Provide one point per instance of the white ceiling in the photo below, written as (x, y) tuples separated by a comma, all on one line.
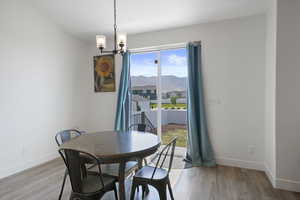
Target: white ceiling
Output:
[(85, 18)]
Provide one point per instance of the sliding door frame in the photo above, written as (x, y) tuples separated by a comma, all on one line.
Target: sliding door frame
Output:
[(157, 50)]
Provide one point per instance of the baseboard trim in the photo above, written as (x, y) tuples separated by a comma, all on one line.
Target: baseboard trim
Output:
[(270, 175), (281, 183), (278, 183), (289, 185), (6, 172), (240, 163)]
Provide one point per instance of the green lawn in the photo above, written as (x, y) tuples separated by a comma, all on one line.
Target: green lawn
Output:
[(170, 106), (181, 137)]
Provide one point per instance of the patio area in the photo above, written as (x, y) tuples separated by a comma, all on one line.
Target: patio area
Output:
[(178, 162), (170, 131)]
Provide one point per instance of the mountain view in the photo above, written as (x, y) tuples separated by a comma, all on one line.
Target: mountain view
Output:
[(169, 83)]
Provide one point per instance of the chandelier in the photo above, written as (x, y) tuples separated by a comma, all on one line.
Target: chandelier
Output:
[(119, 39)]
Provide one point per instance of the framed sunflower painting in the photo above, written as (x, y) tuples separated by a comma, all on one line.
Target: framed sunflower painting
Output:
[(104, 73)]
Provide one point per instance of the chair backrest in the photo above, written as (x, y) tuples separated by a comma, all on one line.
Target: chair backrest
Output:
[(165, 152), (66, 135), (138, 127), (77, 173), (141, 119), (142, 128)]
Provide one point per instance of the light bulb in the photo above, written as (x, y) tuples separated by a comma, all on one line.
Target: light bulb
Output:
[(122, 39), (100, 41)]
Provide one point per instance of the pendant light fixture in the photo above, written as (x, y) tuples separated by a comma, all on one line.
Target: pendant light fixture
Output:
[(119, 39)]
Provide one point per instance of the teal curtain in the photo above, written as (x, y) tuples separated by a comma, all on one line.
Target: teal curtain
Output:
[(199, 151), (122, 120)]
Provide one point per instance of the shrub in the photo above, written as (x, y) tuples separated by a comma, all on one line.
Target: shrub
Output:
[(173, 100)]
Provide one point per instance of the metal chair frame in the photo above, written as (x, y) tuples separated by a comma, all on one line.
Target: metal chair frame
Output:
[(59, 141), (159, 184), (171, 145), (68, 131), (68, 156)]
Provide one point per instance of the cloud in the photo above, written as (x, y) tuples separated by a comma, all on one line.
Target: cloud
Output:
[(148, 61), (176, 60), (144, 61)]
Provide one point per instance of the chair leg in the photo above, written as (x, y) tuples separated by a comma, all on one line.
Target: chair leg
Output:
[(170, 190), (133, 187), (143, 192), (145, 188), (115, 192), (63, 185), (135, 171), (162, 191)]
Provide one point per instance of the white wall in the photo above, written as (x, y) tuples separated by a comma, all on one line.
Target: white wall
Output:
[(288, 96), (270, 157), (40, 86), (102, 105), (282, 94), (234, 75)]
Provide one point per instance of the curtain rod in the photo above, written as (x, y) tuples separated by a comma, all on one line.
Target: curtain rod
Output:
[(161, 47)]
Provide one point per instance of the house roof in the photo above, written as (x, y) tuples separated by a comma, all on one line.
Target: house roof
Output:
[(138, 98), (144, 87)]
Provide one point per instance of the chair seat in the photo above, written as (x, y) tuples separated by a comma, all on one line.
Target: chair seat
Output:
[(92, 182), (147, 171), (113, 169)]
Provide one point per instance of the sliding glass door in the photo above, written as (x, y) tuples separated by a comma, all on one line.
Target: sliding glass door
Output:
[(158, 87), (173, 95), (144, 90)]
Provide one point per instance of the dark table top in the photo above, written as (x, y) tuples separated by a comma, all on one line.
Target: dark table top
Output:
[(115, 145)]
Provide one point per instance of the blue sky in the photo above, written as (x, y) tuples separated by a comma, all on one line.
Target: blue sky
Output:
[(173, 62)]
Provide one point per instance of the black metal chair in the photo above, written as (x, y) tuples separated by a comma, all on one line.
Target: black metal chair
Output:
[(60, 138), (142, 128), (142, 123), (109, 169), (86, 185), (138, 127), (66, 135), (156, 176)]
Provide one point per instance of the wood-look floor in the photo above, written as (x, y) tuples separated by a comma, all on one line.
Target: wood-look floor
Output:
[(219, 183)]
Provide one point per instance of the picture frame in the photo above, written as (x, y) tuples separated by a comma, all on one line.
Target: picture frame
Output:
[(104, 73)]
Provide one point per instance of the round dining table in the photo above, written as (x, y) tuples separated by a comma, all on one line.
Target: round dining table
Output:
[(116, 147)]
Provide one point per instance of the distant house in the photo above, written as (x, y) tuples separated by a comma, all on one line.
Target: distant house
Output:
[(179, 94), (147, 91)]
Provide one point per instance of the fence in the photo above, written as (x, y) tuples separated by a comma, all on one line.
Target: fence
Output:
[(167, 117)]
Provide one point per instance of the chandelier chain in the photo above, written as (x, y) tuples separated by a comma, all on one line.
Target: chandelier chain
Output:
[(115, 14), (119, 46), (115, 26)]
